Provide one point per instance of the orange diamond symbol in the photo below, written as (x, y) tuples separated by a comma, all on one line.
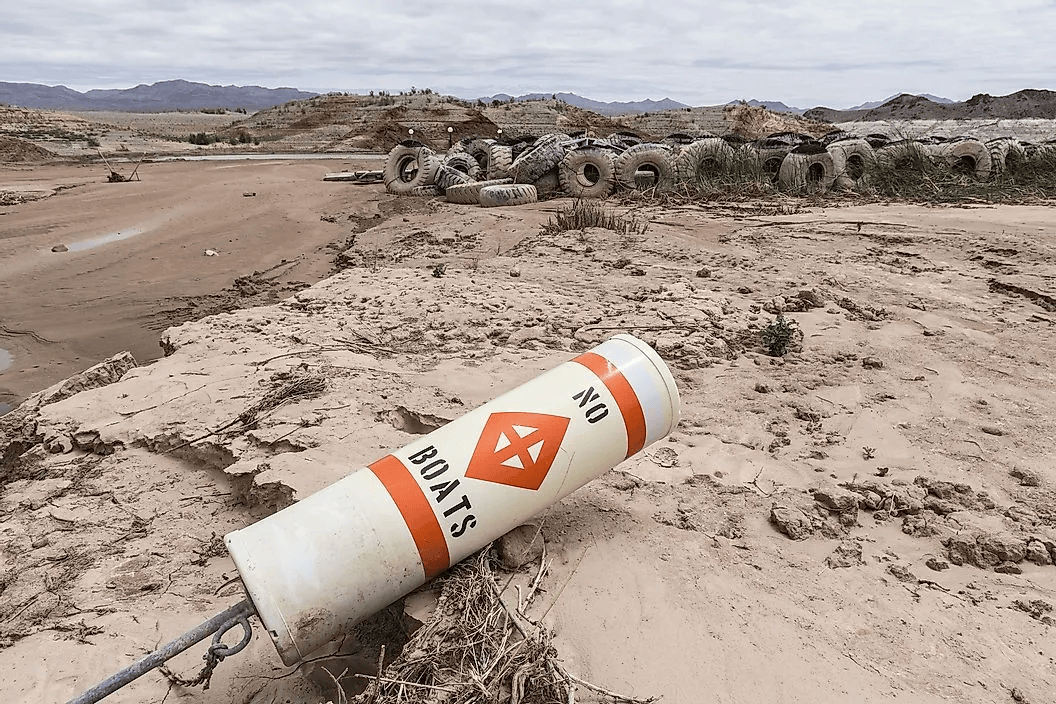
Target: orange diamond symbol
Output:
[(517, 449)]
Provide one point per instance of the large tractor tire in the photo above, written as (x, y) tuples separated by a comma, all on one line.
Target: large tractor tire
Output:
[(549, 184), (425, 192), (409, 167), (469, 193), (852, 161), (967, 156), (464, 162), (544, 155), (654, 159), (500, 158), (447, 177), (588, 173), (1007, 156), (801, 172), (904, 155), (703, 160), (511, 194)]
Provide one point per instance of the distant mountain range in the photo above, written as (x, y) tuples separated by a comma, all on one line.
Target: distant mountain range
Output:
[(615, 108), (878, 103), (157, 97), (1018, 105)]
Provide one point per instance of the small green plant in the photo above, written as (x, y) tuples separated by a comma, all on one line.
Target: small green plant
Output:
[(779, 335)]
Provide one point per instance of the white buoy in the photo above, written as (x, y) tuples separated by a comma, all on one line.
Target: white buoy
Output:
[(321, 565)]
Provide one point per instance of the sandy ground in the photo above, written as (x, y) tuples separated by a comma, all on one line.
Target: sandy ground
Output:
[(136, 261), (906, 441)]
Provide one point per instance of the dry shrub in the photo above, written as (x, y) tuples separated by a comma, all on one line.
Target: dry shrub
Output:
[(583, 214), (477, 648), (914, 176)]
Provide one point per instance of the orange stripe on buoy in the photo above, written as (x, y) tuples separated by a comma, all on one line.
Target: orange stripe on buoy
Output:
[(417, 513), (626, 399)]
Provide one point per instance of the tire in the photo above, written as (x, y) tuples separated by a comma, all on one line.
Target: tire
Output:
[(1007, 156), (903, 155), (652, 158), (806, 172), (480, 149), (424, 192), (544, 155), (852, 160), (588, 173), (511, 194), (549, 184), (500, 158), (469, 193), (967, 156), (447, 176), (464, 162), (771, 155), (703, 160), (409, 167)]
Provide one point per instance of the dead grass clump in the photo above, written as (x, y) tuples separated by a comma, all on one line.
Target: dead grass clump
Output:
[(910, 173), (477, 648), (583, 214)]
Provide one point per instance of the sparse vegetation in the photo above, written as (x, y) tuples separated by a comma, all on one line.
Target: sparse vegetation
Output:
[(914, 176), (779, 336), (204, 138), (591, 213)]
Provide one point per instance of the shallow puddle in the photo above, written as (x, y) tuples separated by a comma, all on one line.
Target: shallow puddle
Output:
[(6, 358), (5, 408), (105, 239)]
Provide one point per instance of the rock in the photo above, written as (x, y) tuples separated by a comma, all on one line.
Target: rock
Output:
[(1037, 553), (986, 550), (939, 506), (762, 388), (1002, 547), (836, 499), (812, 298), (522, 545), (872, 363), (1026, 477), (703, 273), (519, 337), (211, 253), (515, 272), (61, 444), (847, 554), (906, 500), (1008, 568), (1022, 514), (871, 500), (791, 521), (934, 563), (60, 248), (85, 439), (901, 573), (962, 551), (992, 430)]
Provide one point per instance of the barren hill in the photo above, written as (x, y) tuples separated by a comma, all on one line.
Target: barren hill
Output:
[(1020, 105), (343, 122)]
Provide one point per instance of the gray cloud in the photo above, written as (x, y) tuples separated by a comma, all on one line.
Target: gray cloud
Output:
[(803, 53)]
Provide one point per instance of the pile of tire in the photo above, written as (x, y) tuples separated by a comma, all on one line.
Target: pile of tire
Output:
[(512, 171)]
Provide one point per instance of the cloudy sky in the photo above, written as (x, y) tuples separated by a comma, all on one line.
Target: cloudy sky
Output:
[(836, 53)]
